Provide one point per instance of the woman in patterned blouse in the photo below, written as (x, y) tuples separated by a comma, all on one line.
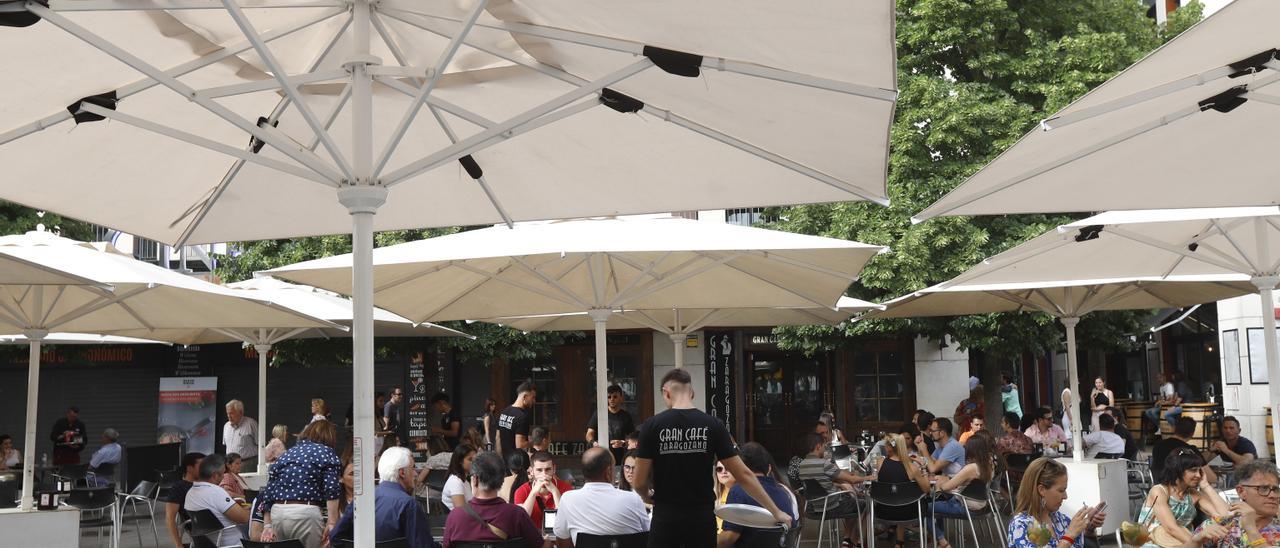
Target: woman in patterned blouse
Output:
[(1044, 488), (303, 480)]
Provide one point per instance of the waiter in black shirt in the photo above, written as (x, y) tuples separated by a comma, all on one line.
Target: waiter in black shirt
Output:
[(678, 447), (620, 424), (450, 420), (68, 437), (513, 422)]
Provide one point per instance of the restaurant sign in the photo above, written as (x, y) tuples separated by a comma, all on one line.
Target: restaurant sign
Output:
[(720, 381)]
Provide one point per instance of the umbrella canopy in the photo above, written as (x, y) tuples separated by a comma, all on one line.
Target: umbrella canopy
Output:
[(678, 323), (1029, 277), (77, 338), (122, 294), (550, 110), (596, 266), (1201, 108), (572, 266)]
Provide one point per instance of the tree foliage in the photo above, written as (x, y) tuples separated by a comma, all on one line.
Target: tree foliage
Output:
[(491, 342), (20, 219), (974, 76)]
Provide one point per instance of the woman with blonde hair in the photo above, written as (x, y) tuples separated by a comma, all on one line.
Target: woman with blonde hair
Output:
[(319, 410), (896, 467), (1037, 520), (276, 447), (724, 482)]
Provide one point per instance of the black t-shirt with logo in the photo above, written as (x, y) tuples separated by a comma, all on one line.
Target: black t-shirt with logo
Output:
[(684, 445), (620, 424), (511, 421)]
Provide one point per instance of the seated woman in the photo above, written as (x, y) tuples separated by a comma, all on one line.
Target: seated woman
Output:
[(517, 475), (1037, 521), (232, 483), (1171, 505), (898, 468), (979, 466), (457, 489)]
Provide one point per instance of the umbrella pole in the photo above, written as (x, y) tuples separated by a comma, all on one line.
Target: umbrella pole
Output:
[(1266, 285), (262, 350), (677, 346), (1073, 381), (362, 198), (34, 337), (601, 317)]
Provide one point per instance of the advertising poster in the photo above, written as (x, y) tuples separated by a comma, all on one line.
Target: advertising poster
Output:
[(188, 412), (418, 415)]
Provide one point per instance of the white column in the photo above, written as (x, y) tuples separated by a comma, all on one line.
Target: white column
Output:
[(34, 338), (601, 317), (677, 345), (362, 199), (1266, 285), (1073, 382), (264, 427)]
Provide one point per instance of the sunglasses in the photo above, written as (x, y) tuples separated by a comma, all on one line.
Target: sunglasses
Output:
[(719, 469)]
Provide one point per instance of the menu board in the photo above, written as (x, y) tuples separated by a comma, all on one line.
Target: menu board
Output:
[(418, 414)]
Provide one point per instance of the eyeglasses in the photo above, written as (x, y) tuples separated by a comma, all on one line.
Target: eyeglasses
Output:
[(719, 469), (628, 467), (1263, 490)]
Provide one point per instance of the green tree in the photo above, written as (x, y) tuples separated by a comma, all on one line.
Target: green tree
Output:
[(19, 219), (491, 342), (975, 75)]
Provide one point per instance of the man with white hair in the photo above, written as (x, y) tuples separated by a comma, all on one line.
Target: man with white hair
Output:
[(396, 513), (240, 435), (109, 453)]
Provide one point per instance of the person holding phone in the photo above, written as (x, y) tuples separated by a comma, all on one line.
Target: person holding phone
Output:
[(1038, 520)]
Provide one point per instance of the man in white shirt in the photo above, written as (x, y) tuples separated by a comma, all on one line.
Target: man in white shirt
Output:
[(1168, 396), (240, 435), (598, 508), (1104, 443), (205, 494)]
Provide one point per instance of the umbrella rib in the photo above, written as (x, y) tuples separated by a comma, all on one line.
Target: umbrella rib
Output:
[(301, 79), (307, 159), (139, 5), (645, 271), (669, 278), (706, 319), (139, 86), (1143, 96), (93, 306), (412, 276), (591, 276), (290, 89), (520, 262), (442, 104), (18, 316), (495, 277), (1236, 245), (642, 316), (1013, 257), (62, 289), (234, 170), (484, 185), (1021, 302), (1142, 239), (778, 255), (136, 316), (423, 91), (506, 128), (174, 133), (634, 48), (1059, 162), (1040, 291), (779, 286)]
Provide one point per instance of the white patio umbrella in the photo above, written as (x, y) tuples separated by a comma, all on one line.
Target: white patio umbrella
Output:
[(1186, 126), (1243, 242), (756, 104), (598, 266), (77, 338), (313, 302), (678, 323), (142, 297)]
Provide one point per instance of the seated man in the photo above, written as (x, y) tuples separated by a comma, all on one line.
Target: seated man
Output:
[(487, 518), (1233, 448), (1168, 396), (544, 485), (1013, 442), (1104, 444), (1183, 429), (975, 424), (396, 513), (1254, 521), (109, 453), (757, 460), (205, 494), (599, 508), (539, 440), (815, 467), (177, 496), (948, 455), (1043, 431)]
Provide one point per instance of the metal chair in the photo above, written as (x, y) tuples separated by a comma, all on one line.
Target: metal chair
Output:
[(165, 480), (74, 473), (436, 479), (634, 540), (979, 492), (96, 500), (897, 495), (818, 503), (141, 493), (106, 470), (204, 524)]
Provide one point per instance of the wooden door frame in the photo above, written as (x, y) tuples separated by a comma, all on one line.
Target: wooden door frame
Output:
[(906, 348)]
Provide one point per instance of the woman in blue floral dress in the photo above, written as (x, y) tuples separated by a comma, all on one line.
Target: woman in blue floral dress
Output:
[(1043, 490)]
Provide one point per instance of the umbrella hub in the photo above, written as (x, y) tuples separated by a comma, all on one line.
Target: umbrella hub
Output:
[(1265, 282), (362, 198), (35, 335), (599, 314)]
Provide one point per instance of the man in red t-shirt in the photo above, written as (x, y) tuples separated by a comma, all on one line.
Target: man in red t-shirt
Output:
[(546, 486)]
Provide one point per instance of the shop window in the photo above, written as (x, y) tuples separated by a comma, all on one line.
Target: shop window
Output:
[(879, 386), (543, 372)]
